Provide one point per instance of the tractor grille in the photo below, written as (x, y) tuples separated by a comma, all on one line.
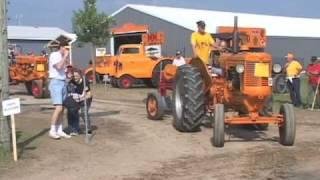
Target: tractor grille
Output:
[(250, 79)]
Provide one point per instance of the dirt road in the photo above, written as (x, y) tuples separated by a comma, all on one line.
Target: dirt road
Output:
[(127, 145)]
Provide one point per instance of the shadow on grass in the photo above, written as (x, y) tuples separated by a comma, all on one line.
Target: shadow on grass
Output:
[(22, 146)]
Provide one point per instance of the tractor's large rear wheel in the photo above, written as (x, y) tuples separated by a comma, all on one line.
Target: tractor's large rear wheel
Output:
[(287, 129), (89, 77), (188, 99), (40, 89), (280, 84), (114, 82), (218, 129), (155, 80), (28, 85)]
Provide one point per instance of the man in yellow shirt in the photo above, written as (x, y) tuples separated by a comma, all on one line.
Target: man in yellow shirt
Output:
[(293, 69), (202, 43)]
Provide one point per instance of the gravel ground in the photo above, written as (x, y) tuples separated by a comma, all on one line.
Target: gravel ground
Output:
[(126, 145)]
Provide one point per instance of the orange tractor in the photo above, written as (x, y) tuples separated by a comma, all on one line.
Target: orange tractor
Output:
[(244, 88), (133, 63), (33, 71)]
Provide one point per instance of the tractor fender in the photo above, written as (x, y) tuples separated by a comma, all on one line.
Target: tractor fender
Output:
[(160, 61), (169, 72), (198, 63), (157, 69), (89, 69), (86, 71)]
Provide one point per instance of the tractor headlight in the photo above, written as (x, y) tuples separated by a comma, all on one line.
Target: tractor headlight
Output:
[(240, 68), (276, 68)]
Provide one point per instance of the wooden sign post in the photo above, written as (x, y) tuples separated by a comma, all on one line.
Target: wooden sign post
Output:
[(10, 108)]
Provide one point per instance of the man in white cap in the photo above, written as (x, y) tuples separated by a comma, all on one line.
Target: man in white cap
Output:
[(178, 60)]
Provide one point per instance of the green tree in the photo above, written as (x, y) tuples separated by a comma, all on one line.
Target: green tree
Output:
[(92, 27)]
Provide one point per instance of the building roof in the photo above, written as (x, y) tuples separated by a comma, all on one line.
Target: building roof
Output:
[(274, 25), (34, 33)]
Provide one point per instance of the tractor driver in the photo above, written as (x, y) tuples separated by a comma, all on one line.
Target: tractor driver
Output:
[(202, 44)]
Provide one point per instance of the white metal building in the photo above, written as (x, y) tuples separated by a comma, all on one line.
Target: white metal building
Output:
[(33, 39), (285, 34)]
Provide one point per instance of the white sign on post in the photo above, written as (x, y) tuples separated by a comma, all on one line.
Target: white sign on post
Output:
[(10, 108), (101, 52)]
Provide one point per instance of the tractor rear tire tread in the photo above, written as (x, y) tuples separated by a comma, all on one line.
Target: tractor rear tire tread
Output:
[(190, 82)]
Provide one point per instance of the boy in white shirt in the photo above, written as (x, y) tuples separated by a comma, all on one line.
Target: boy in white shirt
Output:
[(57, 87)]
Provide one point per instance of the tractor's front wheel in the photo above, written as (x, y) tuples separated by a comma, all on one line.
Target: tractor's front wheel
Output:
[(156, 106), (287, 130), (188, 99), (218, 126)]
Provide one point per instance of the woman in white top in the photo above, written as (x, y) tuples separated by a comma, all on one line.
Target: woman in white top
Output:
[(178, 60)]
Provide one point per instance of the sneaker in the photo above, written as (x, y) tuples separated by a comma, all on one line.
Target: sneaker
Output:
[(54, 135), (64, 135), (74, 134)]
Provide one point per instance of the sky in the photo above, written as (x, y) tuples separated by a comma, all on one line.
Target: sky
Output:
[(58, 13)]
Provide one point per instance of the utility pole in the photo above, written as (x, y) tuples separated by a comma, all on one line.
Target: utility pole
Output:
[(4, 77)]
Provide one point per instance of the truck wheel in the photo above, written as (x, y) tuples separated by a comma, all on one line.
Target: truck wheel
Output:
[(287, 129), (114, 82), (37, 89), (188, 99), (155, 79), (156, 106), (218, 126), (125, 82), (280, 84), (28, 85)]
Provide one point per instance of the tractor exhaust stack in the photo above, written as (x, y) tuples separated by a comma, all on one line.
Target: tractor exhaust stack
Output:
[(235, 38)]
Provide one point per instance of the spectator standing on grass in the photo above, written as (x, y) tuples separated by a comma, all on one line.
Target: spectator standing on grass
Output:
[(293, 69), (79, 92), (179, 60), (57, 63), (313, 71)]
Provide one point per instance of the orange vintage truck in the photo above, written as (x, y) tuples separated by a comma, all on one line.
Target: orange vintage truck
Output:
[(133, 63)]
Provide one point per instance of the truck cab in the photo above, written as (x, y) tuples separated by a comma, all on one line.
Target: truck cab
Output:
[(132, 59)]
